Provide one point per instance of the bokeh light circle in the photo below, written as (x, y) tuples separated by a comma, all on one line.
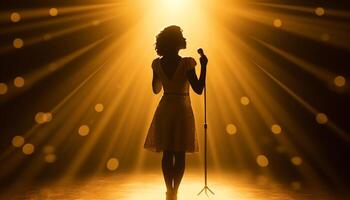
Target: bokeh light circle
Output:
[(321, 118), (276, 129), (18, 81), (53, 12), (42, 117), (319, 11), (99, 107), (112, 164), (231, 129), (277, 23), (245, 100), (18, 43), (50, 158), (3, 88), (17, 141), (262, 161), (84, 130), (296, 160), (15, 17), (339, 81), (28, 149)]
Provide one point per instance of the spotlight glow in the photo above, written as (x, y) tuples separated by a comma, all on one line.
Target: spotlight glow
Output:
[(173, 4)]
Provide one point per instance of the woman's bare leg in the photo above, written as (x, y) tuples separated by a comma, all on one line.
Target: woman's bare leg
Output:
[(168, 168), (179, 168)]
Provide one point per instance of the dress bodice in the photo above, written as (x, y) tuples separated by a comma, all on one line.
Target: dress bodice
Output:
[(178, 82)]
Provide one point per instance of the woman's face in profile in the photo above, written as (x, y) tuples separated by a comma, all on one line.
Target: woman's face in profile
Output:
[(184, 43)]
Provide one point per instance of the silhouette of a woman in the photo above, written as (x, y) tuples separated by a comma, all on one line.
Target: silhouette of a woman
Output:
[(172, 130)]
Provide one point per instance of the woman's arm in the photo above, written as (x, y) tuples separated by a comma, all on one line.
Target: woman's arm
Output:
[(156, 83), (198, 84)]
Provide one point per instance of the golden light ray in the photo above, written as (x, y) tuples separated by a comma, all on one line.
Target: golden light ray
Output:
[(165, 15), (32, 135), (58, 139), (308, 27), (306, 9), (55, 34), (343, 134), (292, 125), (29, 14), (324, 165), (49, 22), (231, 60), (319, 72), (120, 128), (265, 113), (270, 111), (34, 76), (99, 129)]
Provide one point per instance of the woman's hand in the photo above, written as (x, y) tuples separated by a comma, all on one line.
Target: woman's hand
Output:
[(203, 60)]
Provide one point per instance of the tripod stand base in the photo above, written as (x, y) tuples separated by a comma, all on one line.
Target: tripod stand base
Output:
[(205, 190)]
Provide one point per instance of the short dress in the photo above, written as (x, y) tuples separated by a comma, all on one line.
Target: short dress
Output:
[(173, 124)]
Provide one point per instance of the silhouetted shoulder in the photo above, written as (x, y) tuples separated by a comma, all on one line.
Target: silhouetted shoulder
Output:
[(190, 63), (154, 62)]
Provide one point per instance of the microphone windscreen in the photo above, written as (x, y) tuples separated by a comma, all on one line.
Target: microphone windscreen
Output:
[(200, 51)]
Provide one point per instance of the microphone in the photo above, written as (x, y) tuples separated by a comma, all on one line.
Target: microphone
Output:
[(201, 52)]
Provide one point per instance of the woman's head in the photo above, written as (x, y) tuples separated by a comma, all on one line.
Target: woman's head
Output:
[(170, 40)]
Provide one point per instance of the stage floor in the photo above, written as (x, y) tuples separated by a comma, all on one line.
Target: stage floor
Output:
[(151, 187)]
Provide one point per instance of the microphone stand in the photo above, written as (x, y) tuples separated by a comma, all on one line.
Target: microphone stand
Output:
[(205, 188)]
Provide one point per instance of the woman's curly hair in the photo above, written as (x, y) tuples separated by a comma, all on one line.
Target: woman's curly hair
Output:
[(170, 39)]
